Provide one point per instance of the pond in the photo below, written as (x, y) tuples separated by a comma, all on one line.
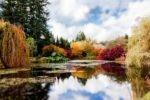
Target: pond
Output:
[(75, 80)]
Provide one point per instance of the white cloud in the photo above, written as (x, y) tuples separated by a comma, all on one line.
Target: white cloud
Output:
[(71, 10), (75, 11)]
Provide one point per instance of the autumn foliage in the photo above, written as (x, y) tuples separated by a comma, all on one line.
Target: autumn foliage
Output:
[(112, 53), (138, 45), (13, 46), (48, 49), (81, 48)]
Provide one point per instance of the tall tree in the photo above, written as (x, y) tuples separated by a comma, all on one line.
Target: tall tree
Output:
[(31, 14), (15, 11), (38, 18), (63, 43), (81, 36)]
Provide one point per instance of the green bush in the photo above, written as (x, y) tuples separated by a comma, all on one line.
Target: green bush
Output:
[(58, 57)]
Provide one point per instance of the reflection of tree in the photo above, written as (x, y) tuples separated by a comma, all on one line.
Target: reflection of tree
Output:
[(82, 80), (137, 77), (26, 91), (15, 73), (64, 76), (114, 70), (84, 72)]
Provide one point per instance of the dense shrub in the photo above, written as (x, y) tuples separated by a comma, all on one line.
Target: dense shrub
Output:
[(13, 46), (111, 54), (47, 50), (98, 53), (57, 57), (69, 54)]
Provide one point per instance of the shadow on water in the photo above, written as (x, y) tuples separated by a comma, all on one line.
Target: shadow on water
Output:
[(98, 82)]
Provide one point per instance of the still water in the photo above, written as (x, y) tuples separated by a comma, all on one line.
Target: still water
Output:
[(75, 80)]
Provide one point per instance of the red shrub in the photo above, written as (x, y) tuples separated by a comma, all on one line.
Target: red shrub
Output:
[(112, 54), (68, 53)]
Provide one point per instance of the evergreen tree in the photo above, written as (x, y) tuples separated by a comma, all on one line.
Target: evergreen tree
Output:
[(15, 11), (81, 36), (63, 43), (38, 18), (126, 36), (30, 14), (57, 41)]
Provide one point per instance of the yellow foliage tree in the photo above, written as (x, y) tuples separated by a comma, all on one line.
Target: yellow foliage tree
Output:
[(76, 50), (81, 46), (138, 45), (13, 46)]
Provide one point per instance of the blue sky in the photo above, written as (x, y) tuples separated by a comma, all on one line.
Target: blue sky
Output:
[(100, 19)]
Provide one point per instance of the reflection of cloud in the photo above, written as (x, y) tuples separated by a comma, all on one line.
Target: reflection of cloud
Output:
[(101, 87), (83, 95)]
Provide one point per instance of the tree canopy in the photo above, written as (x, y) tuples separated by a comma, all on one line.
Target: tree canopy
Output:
[(81, 36), (30, 14)]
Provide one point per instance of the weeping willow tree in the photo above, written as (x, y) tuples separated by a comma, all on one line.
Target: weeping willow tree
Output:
[(139, 45), (13, 48)]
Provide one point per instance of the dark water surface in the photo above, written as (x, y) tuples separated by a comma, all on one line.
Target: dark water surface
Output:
[(75, 80)]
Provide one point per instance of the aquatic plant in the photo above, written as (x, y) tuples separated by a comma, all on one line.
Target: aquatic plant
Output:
[(13, 52), (138, 45)]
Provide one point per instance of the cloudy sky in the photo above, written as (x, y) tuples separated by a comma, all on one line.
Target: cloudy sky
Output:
[(100, 19)]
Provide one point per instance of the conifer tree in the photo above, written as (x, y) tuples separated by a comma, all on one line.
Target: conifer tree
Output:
[(30, 14), (81, 36)]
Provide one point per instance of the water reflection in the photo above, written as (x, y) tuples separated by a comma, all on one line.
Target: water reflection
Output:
[(140, 81), (25, 91), (105, 81), (101, 87)]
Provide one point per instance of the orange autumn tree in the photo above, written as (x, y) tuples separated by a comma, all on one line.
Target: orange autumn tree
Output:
[(13, 52), (76, 50), (80, 47)]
